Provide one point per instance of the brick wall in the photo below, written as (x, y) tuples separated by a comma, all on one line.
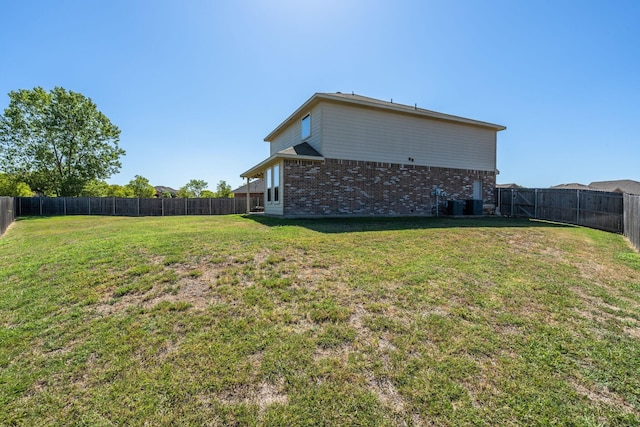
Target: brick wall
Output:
[(348, 187)]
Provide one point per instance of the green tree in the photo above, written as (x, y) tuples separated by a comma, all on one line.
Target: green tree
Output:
[(184, 193), (223, 190), (194, 188), (141, 187), (120, 191), (57, 141), (11, 186), (207, 194), (95, 188)]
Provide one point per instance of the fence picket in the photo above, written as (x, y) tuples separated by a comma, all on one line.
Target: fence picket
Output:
[(52, 206), (594, 209)]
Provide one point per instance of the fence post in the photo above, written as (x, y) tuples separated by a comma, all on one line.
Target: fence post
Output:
[(513, 198), (535, 204), (162, 205), (40, 206), (185, 205), (578, 207), (64, 206), (210, 209), (114, 206)]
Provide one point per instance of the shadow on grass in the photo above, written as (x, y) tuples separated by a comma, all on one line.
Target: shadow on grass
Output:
[(358, 224)]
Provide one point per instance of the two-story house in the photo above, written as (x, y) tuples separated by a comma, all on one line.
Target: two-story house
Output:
[(341, 154)]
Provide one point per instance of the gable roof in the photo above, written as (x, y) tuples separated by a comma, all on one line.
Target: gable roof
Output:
[(256, 186), (571, 186), (302, 151), (618, 186), (366, 102)]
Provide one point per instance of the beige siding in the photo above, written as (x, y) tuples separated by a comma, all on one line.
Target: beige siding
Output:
[(292, 135), (371, 135)]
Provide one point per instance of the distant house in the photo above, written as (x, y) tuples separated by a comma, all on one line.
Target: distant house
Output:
[(256, 189), (618, 186), (571, 186), (511, 185), (341, 155), (161, 189)]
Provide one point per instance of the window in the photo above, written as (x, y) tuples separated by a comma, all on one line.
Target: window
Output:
[(276, 183), (306, 127), (272, 180), (268, 177)]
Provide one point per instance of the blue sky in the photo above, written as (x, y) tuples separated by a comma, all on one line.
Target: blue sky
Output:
[(196, 85)]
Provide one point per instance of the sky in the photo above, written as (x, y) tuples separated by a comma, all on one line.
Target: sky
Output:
[(196, 85)]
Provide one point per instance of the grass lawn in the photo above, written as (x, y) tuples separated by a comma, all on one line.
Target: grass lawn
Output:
[(254, 321)]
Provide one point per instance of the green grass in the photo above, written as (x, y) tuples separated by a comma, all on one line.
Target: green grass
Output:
[(256, 321)]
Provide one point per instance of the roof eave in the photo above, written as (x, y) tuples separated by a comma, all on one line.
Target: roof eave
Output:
[(306, 106), (398, 108)]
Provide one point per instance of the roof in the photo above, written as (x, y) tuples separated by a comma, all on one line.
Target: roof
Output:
[(256, 186), (366, 102), (163, 189), (572, 186), (618, 186), (511, 185), (302, 151)]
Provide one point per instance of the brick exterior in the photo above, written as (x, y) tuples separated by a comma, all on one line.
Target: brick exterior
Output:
[(347, 187)]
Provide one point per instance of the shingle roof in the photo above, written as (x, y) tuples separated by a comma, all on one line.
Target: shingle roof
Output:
[(303, 149), (256, 186), (572, 186), (618, 186)]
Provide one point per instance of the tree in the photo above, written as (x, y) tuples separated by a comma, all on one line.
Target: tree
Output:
[(184, 193), (193, 188), (57, 141), (223, 190), (207, 194), (116, 190), (95, 188), (141, 188), (11, 186)]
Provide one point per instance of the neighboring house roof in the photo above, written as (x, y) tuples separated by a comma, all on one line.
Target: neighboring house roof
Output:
[(256, 186), (364, 101), (572, 186), (302, 151), (162, 189), (512, 185), (618, 186)]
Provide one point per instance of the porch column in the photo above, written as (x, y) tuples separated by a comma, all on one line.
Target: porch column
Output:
[(248, 197)]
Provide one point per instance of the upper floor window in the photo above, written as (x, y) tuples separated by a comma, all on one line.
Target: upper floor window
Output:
[(306, 127)]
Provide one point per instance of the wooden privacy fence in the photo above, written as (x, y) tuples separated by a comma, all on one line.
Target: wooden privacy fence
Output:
[(632, 219), (7, 213), (594, 209), (115, 206)]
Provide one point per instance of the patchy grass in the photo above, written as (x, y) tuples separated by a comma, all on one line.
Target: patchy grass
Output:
[(256, 321)]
